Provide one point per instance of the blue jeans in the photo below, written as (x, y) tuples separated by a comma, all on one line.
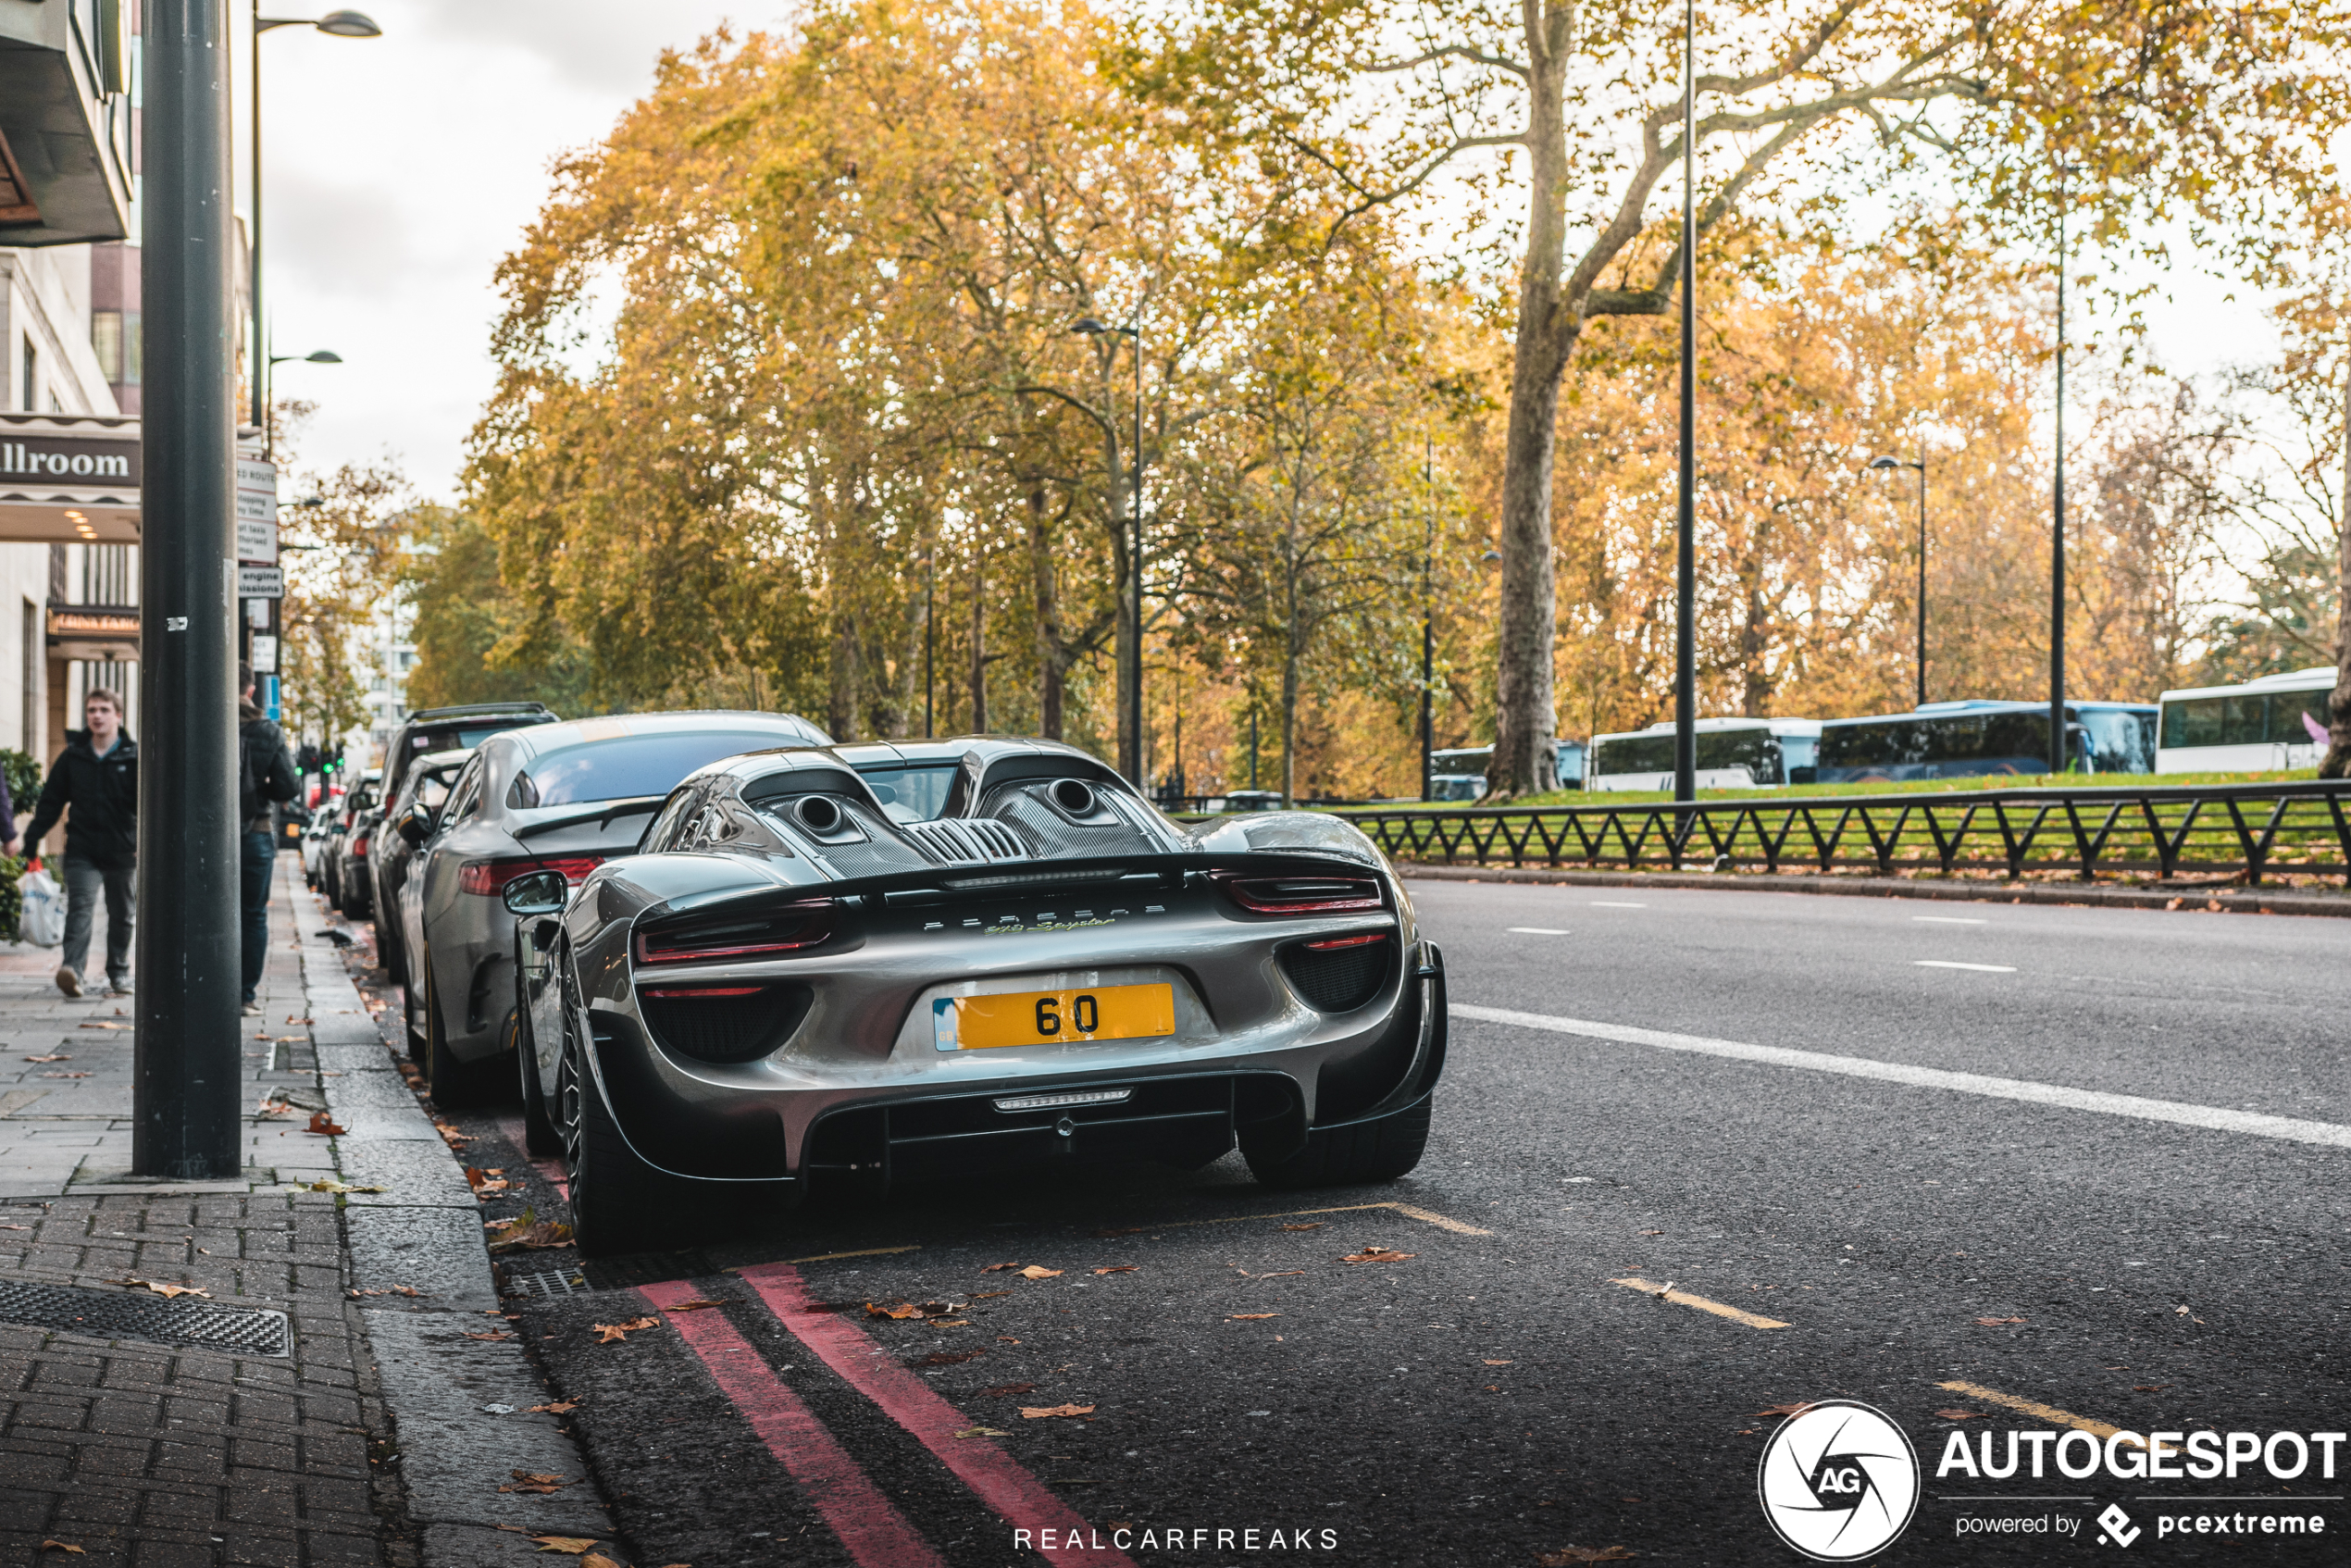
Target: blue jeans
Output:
[(85, 882), (260, 861)]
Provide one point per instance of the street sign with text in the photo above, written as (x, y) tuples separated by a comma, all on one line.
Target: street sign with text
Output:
[(261, 582), (256, 511)]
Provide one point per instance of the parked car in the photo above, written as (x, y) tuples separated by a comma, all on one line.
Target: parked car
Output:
[(426, 785), (555, 796), (357, 800), (461, 728), (861, 963)]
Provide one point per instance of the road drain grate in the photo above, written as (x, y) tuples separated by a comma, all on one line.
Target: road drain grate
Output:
[(548, 1282), (112, 1315)]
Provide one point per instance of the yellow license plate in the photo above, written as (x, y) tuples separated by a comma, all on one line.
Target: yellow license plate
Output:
[(982, 1023)]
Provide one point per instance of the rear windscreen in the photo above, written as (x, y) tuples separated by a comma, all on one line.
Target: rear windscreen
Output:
[(630, 766)]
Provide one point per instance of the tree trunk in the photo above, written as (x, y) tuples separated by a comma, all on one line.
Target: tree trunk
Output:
[(980, 644), (1052, 655), (2337, 763), (840, 708), (1289, 721), (1525, 759)]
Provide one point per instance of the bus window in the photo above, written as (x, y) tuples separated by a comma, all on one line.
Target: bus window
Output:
[(2118, 742)]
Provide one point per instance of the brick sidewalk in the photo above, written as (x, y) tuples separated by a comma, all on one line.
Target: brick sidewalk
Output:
[(154, 1454)]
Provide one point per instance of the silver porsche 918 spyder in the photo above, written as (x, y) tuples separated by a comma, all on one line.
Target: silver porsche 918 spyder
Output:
[(834, 966)]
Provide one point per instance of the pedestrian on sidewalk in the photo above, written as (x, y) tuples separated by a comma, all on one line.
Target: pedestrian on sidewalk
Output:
[(9, 842), (98, 775), (265, 776)]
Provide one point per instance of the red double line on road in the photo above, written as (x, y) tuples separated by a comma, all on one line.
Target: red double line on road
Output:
[(876, 1534), (993, 1475)]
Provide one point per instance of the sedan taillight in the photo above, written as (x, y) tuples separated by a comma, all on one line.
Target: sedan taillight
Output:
[(1302, 895), (786, 930), (488, 878)]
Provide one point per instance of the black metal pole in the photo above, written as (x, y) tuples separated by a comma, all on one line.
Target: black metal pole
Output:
[(184, 1092), (1135, 673), (1428, 615), (1922, 574), (260, 339), (2057, 531), (1685, 527), (930, 637)]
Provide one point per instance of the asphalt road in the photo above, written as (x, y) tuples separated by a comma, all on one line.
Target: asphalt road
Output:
[(1495, 1397)]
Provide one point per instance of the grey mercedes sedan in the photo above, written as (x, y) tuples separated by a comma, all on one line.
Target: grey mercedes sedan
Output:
[(554, 798)]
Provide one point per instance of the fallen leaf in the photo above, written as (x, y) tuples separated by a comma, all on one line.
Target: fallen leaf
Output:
[(65, 1075), (597, 1559), (293, 1020), (2148, 1387), (1499, 1364), (15, 1227), (1006, 1339), (324, 1125), (1034, 1272), (60, 1546), (988, 1295), (167, 1290), (1032, 1413), (991, 1268), (982, 1432), (1567, 1555), (693, 1306), (1377, 1255), (1652, 1233), (1798, 1408), (331, 1185), (52, 1056), (902, 1311), (527, 1230), (489, 1334), (607, 1332), (1284, 1274), (570, 1545), (102, 1024), (1316, 1225), (949, 1358), (1246, 1317), (1119, 1268), (524, 1481), (2182, 1310), (1006, 1390), (1956, 1414), (1998, 1322)]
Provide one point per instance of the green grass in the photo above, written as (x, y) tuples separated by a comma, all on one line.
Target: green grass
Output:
[(1911, 787)]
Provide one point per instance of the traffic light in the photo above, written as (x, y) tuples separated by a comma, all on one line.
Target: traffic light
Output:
[(307, 760)]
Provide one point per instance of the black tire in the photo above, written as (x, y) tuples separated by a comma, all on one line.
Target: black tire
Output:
[(539, 1134), (619, 1204), (1354, 1155), (456, 1084)]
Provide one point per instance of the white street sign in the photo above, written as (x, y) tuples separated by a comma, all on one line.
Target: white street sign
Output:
[(260, 582), (256, 511), (265, 655)]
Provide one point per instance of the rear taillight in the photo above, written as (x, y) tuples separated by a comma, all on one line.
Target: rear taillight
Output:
[(1335, 944), (785, 930), (359, 848), (1302, 895), (488, 878)]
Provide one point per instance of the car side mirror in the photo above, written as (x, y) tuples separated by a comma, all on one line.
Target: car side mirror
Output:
[(541, 892), (415, 826)]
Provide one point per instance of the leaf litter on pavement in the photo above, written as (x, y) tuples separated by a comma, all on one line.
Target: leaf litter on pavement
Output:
[(539, 1484), (1568, 1555), (1377, 1254), (165, 1290), (1033, 1412), (612, 1332)]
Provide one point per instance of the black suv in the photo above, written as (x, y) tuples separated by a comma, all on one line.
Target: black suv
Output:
[(449, 730)]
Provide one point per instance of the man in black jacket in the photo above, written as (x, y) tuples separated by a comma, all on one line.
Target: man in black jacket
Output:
[(264, 775), (98, 775)]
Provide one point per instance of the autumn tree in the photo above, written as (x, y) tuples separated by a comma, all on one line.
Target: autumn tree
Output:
[(2218, 112)]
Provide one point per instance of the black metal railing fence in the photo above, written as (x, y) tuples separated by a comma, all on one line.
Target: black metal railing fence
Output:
[(2301, 827)]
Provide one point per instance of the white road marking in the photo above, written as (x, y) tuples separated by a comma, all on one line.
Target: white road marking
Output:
[(2288, 1129), (1538, 930), (1947, 920), (1604, 904), (1979, 968)]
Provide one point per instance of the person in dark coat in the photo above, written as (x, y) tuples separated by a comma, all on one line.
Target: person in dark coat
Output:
[(98, 775), (265, 776)]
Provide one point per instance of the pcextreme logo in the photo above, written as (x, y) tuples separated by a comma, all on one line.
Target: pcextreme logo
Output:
[(1839, 1481)]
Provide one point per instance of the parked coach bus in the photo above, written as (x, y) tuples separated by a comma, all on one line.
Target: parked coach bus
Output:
[(2277, 722), (1460, 774), (1967, 739), (1733, 754)]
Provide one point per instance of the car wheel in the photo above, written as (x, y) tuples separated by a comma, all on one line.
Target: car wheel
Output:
[(1379, 1149), (619, 1204), (454, 1084), (539, 1135)]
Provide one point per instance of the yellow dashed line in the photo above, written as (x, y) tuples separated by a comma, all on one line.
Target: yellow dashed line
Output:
[(1684, 1299), (2028, 1407), (1407, 1211)]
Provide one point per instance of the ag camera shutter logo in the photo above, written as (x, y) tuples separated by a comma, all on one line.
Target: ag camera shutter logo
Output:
[(1839, 1481)]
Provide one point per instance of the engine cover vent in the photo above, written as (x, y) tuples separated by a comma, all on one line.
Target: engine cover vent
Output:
[(966, 841)]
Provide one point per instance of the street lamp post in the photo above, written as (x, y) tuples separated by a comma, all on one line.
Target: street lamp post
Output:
[(1428, 616), (2058, 729), (1686, 522), (334, 24), (1888, 463), (1130, 739), (930, 637)]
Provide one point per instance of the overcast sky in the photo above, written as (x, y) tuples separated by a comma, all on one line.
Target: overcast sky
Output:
[(401, 168)]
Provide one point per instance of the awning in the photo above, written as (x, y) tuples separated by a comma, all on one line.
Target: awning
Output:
[(64, 123), (68, 479), (96, 632)]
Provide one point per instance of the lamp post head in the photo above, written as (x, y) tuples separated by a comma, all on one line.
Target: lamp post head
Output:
[(348, 24), (1880, 464), (323, 357), (1090, 327)]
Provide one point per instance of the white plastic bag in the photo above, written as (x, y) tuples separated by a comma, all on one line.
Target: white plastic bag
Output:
[(43, 920)]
